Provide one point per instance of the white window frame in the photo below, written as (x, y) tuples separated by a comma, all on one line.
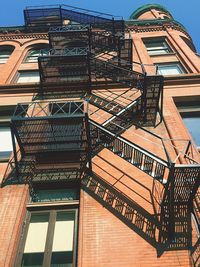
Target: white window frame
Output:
[(157, 47), (5, 138), (167, 69), (28, 77)]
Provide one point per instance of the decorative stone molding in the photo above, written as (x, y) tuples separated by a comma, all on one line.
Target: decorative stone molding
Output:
[(149, 28), (9, 36)]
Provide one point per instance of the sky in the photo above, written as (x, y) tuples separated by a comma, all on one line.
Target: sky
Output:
[(186, 12)]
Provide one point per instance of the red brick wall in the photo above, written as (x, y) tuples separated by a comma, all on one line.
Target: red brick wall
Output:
[(13, 199)]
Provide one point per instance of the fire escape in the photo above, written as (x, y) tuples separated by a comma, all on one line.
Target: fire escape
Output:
[(55, 140)]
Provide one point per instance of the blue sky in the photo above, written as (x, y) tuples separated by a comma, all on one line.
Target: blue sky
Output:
[(186, 12)]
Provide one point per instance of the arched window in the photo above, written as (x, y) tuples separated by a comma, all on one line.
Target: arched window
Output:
[(34, 53), (5, 52)]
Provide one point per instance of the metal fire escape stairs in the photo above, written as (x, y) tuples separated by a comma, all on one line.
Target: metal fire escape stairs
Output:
[(90, 49)]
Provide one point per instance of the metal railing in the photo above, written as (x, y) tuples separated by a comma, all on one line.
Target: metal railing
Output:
[(134, 154), (49, 109)]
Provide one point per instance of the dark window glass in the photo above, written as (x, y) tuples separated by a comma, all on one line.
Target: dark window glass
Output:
[(5, 52), (192, 122)]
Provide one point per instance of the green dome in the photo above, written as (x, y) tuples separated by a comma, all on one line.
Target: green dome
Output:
[(148, 7)]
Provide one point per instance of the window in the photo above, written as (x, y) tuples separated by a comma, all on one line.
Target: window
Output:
[(50, 239), (190, 113), (5, 52), (50, 195), (50, 232), (170, 69), (33, 55), (157, 47), (5, 134), (192, 122), (28, 77)]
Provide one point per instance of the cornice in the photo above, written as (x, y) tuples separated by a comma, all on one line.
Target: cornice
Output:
[(9, 36), (152, 28)]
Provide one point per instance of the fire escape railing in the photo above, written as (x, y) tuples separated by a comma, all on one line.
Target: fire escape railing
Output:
[(54, 133)]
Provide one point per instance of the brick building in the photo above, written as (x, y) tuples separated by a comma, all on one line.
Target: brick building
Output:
[(99, 136)]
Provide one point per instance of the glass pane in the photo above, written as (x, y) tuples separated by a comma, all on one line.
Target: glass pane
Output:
[(4, 56), (32, 59), (5, 140), (3, 60), (62, 249), (32, 260), (193, 125), (157, 45), (56, 195), (158, 52), (28, 77), (64, 232), (169, 70), (62, 259), (37, 232)]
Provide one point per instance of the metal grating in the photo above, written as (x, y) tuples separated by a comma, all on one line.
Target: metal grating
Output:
[(50, 127), (69, 36), (50, 16), (176, 206)]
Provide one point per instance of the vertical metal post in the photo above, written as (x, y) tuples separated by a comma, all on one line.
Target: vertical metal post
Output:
[(144, 99), (161, 103), (61, 19), (187, 148), (14, 151), (89, 142), (171, 229), (113, 26)]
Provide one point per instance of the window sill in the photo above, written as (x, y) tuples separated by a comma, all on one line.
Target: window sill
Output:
[(164, 55), (50, 204)]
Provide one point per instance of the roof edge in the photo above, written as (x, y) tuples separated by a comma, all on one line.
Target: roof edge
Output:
[(147, 7)]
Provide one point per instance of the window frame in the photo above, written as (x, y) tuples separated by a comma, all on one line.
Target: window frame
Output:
[(190, 114), (177, 64), (28, 56), (187, 109), (53, 210), (17, 76), (5, 123), (6, 48), (154, 51)]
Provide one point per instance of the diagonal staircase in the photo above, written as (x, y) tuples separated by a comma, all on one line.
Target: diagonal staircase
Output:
[(132, 153)]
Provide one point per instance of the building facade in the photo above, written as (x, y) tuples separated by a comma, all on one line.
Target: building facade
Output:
[(99, 140)]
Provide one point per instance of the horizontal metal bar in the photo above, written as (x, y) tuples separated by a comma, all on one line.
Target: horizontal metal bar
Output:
[(187, 166), (53, 117)]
